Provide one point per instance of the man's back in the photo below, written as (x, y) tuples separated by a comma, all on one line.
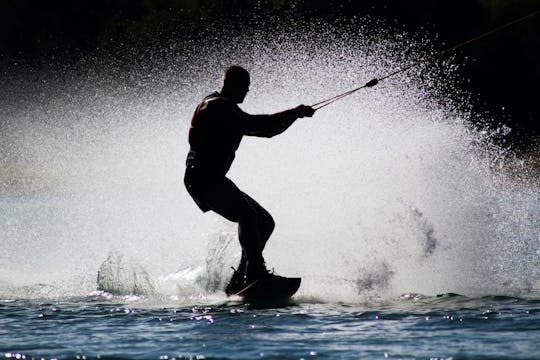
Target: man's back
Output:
[(214, 135)]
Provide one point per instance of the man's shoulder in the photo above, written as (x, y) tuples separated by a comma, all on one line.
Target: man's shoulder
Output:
[(215, 101), (213, 96)]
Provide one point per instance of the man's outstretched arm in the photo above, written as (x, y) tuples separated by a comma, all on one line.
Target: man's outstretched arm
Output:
[(272, 125)]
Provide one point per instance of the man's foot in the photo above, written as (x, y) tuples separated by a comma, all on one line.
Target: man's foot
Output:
[(258, 271), (236, 283)]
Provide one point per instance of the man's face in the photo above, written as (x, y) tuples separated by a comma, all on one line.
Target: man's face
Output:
[(240, 92)]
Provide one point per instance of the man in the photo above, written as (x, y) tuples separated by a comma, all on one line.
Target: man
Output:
[(217, 127)]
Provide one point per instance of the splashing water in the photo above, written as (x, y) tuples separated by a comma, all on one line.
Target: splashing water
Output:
[(383, 193)]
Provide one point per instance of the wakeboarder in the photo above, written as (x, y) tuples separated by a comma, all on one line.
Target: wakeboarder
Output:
[(216, 130)]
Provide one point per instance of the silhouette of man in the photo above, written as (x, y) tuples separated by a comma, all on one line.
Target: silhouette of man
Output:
[(217, 127)]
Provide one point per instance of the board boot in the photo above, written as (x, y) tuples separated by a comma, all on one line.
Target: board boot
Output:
[(238, 280)]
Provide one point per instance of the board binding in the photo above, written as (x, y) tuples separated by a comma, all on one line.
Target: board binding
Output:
[(271, 289)]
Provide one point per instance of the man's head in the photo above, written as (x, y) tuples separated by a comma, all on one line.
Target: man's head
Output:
[(235, 83)]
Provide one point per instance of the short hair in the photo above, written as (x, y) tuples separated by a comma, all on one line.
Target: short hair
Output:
[(235, 75)]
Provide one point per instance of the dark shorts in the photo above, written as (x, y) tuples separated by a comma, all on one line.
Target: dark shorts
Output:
[(221, 196)]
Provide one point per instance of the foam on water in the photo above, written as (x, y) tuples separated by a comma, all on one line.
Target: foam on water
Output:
[(386, 192)]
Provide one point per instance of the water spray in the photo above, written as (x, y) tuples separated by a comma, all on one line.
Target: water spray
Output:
[(375, 81), (377, 208)]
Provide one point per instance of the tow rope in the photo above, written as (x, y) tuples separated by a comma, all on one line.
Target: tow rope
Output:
[(375, 81)]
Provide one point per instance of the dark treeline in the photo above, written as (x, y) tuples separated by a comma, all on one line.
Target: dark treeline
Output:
[(505, 71)]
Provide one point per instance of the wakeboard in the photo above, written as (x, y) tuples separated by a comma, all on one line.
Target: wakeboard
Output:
[(272, 289)]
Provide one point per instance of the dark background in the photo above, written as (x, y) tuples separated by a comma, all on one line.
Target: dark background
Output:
[(503, 75)]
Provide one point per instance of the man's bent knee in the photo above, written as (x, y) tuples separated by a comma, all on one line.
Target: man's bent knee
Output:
[(267, 224)]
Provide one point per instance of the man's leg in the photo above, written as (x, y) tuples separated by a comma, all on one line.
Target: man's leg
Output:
[(264, 226), (255, 225), (265, 222)]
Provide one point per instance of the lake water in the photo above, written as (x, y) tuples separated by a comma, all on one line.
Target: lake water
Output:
[(410, 327)]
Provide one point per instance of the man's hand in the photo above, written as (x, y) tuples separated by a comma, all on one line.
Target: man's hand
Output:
[(304, 110)]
